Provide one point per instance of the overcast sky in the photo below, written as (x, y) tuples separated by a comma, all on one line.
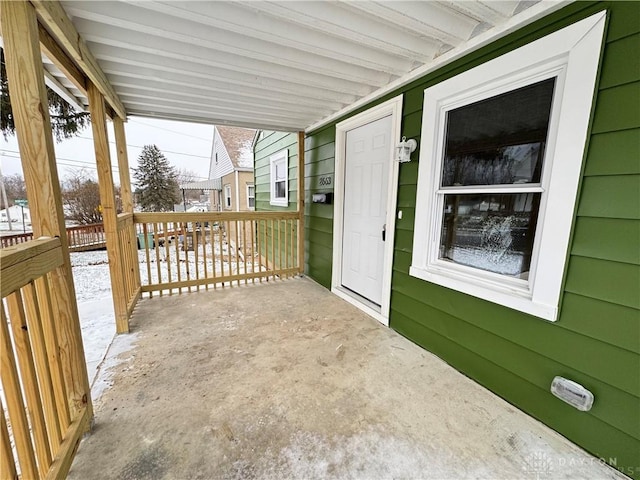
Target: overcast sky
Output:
[(186, 145)]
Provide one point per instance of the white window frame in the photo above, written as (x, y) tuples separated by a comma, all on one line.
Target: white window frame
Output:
[(227, 197), (282, 157), (249, 187), (572, 55)]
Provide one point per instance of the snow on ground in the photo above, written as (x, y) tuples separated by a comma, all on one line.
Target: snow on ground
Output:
[(95, 306), (93, 287)]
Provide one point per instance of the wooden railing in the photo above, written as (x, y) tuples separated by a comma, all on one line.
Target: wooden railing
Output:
[(86, 237), (38, 432), (15, 239), (81, 237), (127, 244), (185, 251)]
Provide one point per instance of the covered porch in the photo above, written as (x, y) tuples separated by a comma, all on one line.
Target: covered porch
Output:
[(269, 378), (285, 380)]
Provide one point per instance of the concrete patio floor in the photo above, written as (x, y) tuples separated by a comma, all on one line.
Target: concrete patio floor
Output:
[(285, 380)]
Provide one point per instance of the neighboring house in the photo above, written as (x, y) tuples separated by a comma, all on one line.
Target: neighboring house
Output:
[(232, 163), (508, 246), (17, 214), (230, 186)]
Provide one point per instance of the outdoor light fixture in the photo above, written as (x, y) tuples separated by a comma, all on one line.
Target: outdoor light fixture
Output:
[(404, 149)]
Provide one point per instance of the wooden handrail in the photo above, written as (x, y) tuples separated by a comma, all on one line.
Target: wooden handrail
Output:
[(156, 217), (23, 263)]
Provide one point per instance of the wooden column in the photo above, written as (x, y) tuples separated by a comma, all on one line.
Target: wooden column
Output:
[(108, 202), (126, 193), (33, 129), (301, 202), (123, 166)]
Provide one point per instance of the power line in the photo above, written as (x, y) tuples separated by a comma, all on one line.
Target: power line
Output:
[(138, 146), (58, 162), (115, 168), (169, 130)]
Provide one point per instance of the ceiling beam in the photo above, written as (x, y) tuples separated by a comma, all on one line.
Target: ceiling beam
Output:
[(53, 83), (53, 17), (59, 57)]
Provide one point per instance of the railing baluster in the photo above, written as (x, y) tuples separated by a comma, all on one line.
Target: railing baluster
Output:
[(286, 246), (156, 247), (29, 379), (237, 249), (221, 228), (15, 403), (145, 241), (179, 229), (204, 226), (230, 260), (261, 236), (167, 253), (252, 247), (213, 254), (243, 241), (45, 381), (43, 289), (7, 462)]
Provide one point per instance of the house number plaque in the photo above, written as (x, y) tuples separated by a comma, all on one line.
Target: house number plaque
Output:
[(325, 181)]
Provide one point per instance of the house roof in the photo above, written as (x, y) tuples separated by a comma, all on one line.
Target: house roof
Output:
[(283, 65), (239, 144)]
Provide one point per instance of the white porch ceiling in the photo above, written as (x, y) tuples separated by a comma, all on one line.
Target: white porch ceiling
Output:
[(278, 65)]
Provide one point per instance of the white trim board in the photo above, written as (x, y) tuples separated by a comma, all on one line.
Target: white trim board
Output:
[(572, 56), (391, 107)]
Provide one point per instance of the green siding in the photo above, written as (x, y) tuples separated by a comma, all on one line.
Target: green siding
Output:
[(276, 239), (319, 160), (596, 340), (270, 143)]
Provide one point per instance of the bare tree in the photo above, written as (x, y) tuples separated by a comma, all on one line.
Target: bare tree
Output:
[(81, 195), (15, 187)]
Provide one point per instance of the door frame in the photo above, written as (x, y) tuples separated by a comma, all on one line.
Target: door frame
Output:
[(391, 107)]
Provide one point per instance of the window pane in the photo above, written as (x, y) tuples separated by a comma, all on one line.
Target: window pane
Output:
[(500, 140), (281, 190), (490, 232)]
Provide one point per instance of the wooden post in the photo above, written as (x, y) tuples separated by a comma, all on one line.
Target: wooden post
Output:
[(108, 201), (123, 166), (33, 129), (301, 202), (126, 193)]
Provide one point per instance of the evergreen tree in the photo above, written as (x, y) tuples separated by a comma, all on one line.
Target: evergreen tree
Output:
[(156, 180), (65, 121)]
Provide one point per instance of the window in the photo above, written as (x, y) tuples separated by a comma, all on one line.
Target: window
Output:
[(280, 178), (227, 196), (499, 169), (251, 197)]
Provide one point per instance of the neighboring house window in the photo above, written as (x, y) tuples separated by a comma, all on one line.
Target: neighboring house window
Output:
[(251, 196), (499, 170), (280, 178), (227, 196)]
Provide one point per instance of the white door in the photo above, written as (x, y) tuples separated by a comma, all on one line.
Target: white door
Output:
[(367, 161)]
